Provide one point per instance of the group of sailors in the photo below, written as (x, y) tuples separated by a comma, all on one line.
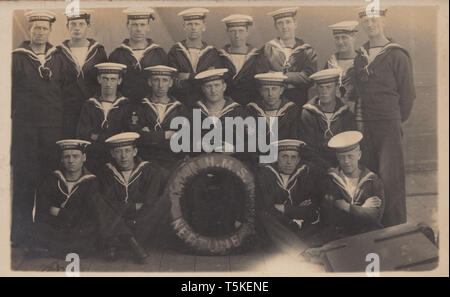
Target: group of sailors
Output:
[(91, 133)]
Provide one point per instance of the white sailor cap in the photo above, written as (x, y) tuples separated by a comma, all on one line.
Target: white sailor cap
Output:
[(114, 68), (345, 141), (238, 20), (194, 14), (122, 139), (271, 78), (288, 145), (80, 14), (210, 75), (326, 76), (72, 144), (284, 13), (345, 27), (161, 70), (139, 13), (40, 15), (371, 11)]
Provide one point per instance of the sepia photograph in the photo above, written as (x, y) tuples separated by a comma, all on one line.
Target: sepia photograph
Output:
[(224, 138)]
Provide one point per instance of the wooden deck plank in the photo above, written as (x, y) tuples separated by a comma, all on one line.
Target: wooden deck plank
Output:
[(177, 262), (212, 263), (248, 262), (153, 266)]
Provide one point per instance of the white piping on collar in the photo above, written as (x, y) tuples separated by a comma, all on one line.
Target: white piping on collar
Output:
[(226, 109), (121, 180), (328, 121), (188, 56), (339, 181), (75, 187), (147, 49), (161, 117), (104, 111), (285, 185), (250, 54), (79, 67)]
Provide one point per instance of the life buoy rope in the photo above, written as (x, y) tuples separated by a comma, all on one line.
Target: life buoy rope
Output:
[(175, 191)]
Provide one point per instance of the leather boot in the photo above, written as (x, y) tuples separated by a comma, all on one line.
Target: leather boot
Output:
[(139, 254)]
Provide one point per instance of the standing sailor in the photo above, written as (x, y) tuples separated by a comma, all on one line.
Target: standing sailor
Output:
[(138, 52), (104, 115), (192, 55), (325, 115), (344, 41), (80, 54), (151, 118), (240, 59), (384, 80), (290, 55), (37, 117)]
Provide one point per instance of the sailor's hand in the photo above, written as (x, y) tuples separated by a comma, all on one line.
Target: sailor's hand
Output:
[(342, 205), (145, 129), (139, 205), (299, 223), (94, 136), (372, 202), (280, 207), (168, 134), (54, 211)]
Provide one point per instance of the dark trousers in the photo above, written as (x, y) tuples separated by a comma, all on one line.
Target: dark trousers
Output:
[(383, 154), (33, 156)]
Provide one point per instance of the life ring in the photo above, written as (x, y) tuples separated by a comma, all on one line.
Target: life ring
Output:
[(201, 243)]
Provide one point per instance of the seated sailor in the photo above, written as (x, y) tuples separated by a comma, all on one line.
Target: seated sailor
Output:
[(287, 189), (134, 188), (103, 115), (353, 196), (71, 214), (152, 117), (325, 115)]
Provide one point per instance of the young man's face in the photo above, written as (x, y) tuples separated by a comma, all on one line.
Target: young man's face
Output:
[(109, 83), (288, 161), (72, 160), (286, 27), (39, 32), (214, 90), (238, 35), (124, 156), (160, 84), (349, 161), (271, 95), (194, 28), (344, 42), (138, 29), (327, 92), (373, 26), (78, 29)]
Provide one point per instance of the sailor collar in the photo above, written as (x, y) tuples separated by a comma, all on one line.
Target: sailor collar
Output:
[(337, 175), (228, 106)]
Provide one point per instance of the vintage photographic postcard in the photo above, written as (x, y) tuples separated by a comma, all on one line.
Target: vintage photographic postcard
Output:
[(224, 138)]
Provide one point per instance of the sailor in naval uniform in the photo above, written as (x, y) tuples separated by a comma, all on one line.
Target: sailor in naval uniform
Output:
[(288, 198), (104, 115), (37, 117), (290, 55), (353, 200), (79, 54), (240, 59), (344, 34), (152, 117), (325, 115), (192, 55), (138, 52)]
